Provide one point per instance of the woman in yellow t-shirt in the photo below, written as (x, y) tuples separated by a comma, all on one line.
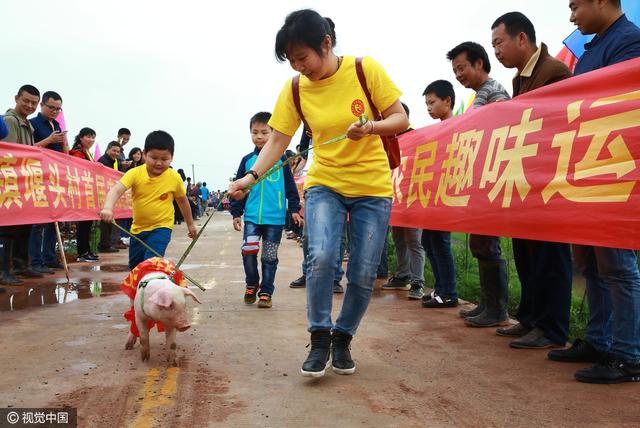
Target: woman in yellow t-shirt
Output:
[(351, 177)]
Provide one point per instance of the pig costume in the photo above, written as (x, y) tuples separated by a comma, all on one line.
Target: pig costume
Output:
[(131, 283)]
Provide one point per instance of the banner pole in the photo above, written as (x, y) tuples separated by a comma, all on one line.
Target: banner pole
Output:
[(64, 257)]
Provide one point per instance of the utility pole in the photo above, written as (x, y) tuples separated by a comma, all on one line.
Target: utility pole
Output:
[(193, 174)]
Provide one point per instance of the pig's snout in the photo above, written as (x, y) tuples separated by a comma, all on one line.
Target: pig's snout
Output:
[(183, 327)]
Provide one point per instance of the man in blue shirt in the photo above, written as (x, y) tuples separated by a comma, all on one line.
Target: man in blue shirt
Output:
[(46, 133), (46, 129), (612, 277), (617, 39)]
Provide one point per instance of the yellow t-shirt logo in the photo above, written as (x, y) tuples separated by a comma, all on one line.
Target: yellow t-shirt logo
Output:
[(357, 107)]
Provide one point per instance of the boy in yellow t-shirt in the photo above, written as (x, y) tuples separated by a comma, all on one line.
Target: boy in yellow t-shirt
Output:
[(154, 187)]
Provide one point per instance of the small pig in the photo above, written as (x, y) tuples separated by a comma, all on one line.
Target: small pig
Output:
[(160, 300)]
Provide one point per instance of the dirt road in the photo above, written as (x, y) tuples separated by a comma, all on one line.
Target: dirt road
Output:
[(239, 365)]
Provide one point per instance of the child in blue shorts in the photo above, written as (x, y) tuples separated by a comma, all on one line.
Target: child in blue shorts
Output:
[(154, 187)]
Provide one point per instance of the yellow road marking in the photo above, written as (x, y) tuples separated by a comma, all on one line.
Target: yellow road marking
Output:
[(154, 397)]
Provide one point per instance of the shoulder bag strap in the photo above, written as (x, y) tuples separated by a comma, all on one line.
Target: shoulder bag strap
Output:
[(363, 83), (295, 88)]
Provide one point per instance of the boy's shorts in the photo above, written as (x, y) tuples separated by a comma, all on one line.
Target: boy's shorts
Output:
[(158, 239)]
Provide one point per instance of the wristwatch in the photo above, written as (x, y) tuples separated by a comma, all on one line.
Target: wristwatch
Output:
[(252, 172)]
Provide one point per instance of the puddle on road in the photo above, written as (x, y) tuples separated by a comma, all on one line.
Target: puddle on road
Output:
[(113, 268), (25, 296), (101, 268)]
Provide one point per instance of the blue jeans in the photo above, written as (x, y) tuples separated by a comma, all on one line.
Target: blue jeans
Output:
[(271, 235), (126, 224), (613, 292), (326, 214), (42, 245), (383, 267), (158, 239), (305, 251), (437, 245)]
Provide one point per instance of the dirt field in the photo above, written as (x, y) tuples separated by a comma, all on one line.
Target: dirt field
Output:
[(239, 365)]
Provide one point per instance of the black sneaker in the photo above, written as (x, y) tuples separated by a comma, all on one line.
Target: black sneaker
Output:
[(86, 257), (55, 265), (580, 352), (397, 283), (30, 273), (299, 283), (341, 354), (427, 297), (43, 269), (10, 279), (93, 256), (318, 359), (608, 370), (437, 301), (416, 291), (337, 287)]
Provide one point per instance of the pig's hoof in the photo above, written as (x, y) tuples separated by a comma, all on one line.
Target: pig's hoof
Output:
[(145, 353), (131, 340), (172, 360)]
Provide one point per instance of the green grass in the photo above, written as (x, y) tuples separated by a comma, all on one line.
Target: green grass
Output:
[(468, 283)]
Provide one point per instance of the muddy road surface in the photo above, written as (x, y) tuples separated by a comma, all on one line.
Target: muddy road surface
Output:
[(63, 345)]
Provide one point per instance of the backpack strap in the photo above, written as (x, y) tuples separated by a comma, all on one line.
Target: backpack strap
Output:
[(363, 83), (295, 88)]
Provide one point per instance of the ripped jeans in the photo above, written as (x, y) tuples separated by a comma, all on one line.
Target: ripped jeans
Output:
[(326, 212), (271, 235)]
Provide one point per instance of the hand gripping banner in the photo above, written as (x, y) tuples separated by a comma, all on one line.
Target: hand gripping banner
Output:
[(42, 186), (556, 164)]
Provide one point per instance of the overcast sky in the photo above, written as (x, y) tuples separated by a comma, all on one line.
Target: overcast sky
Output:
[(201, 69)]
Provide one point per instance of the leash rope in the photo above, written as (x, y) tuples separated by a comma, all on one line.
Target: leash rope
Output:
[(363, 119), (144, 244)]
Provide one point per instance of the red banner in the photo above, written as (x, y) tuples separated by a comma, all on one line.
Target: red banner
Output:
[(42, 186), (556, 164)]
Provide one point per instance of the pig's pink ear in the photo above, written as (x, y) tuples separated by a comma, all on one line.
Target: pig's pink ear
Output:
[(161, 298), (188, 292)]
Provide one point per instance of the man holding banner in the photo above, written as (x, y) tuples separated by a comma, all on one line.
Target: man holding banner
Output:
[(47, 133), (612, 277), (544, 267), (471, 66), (14, 240)]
